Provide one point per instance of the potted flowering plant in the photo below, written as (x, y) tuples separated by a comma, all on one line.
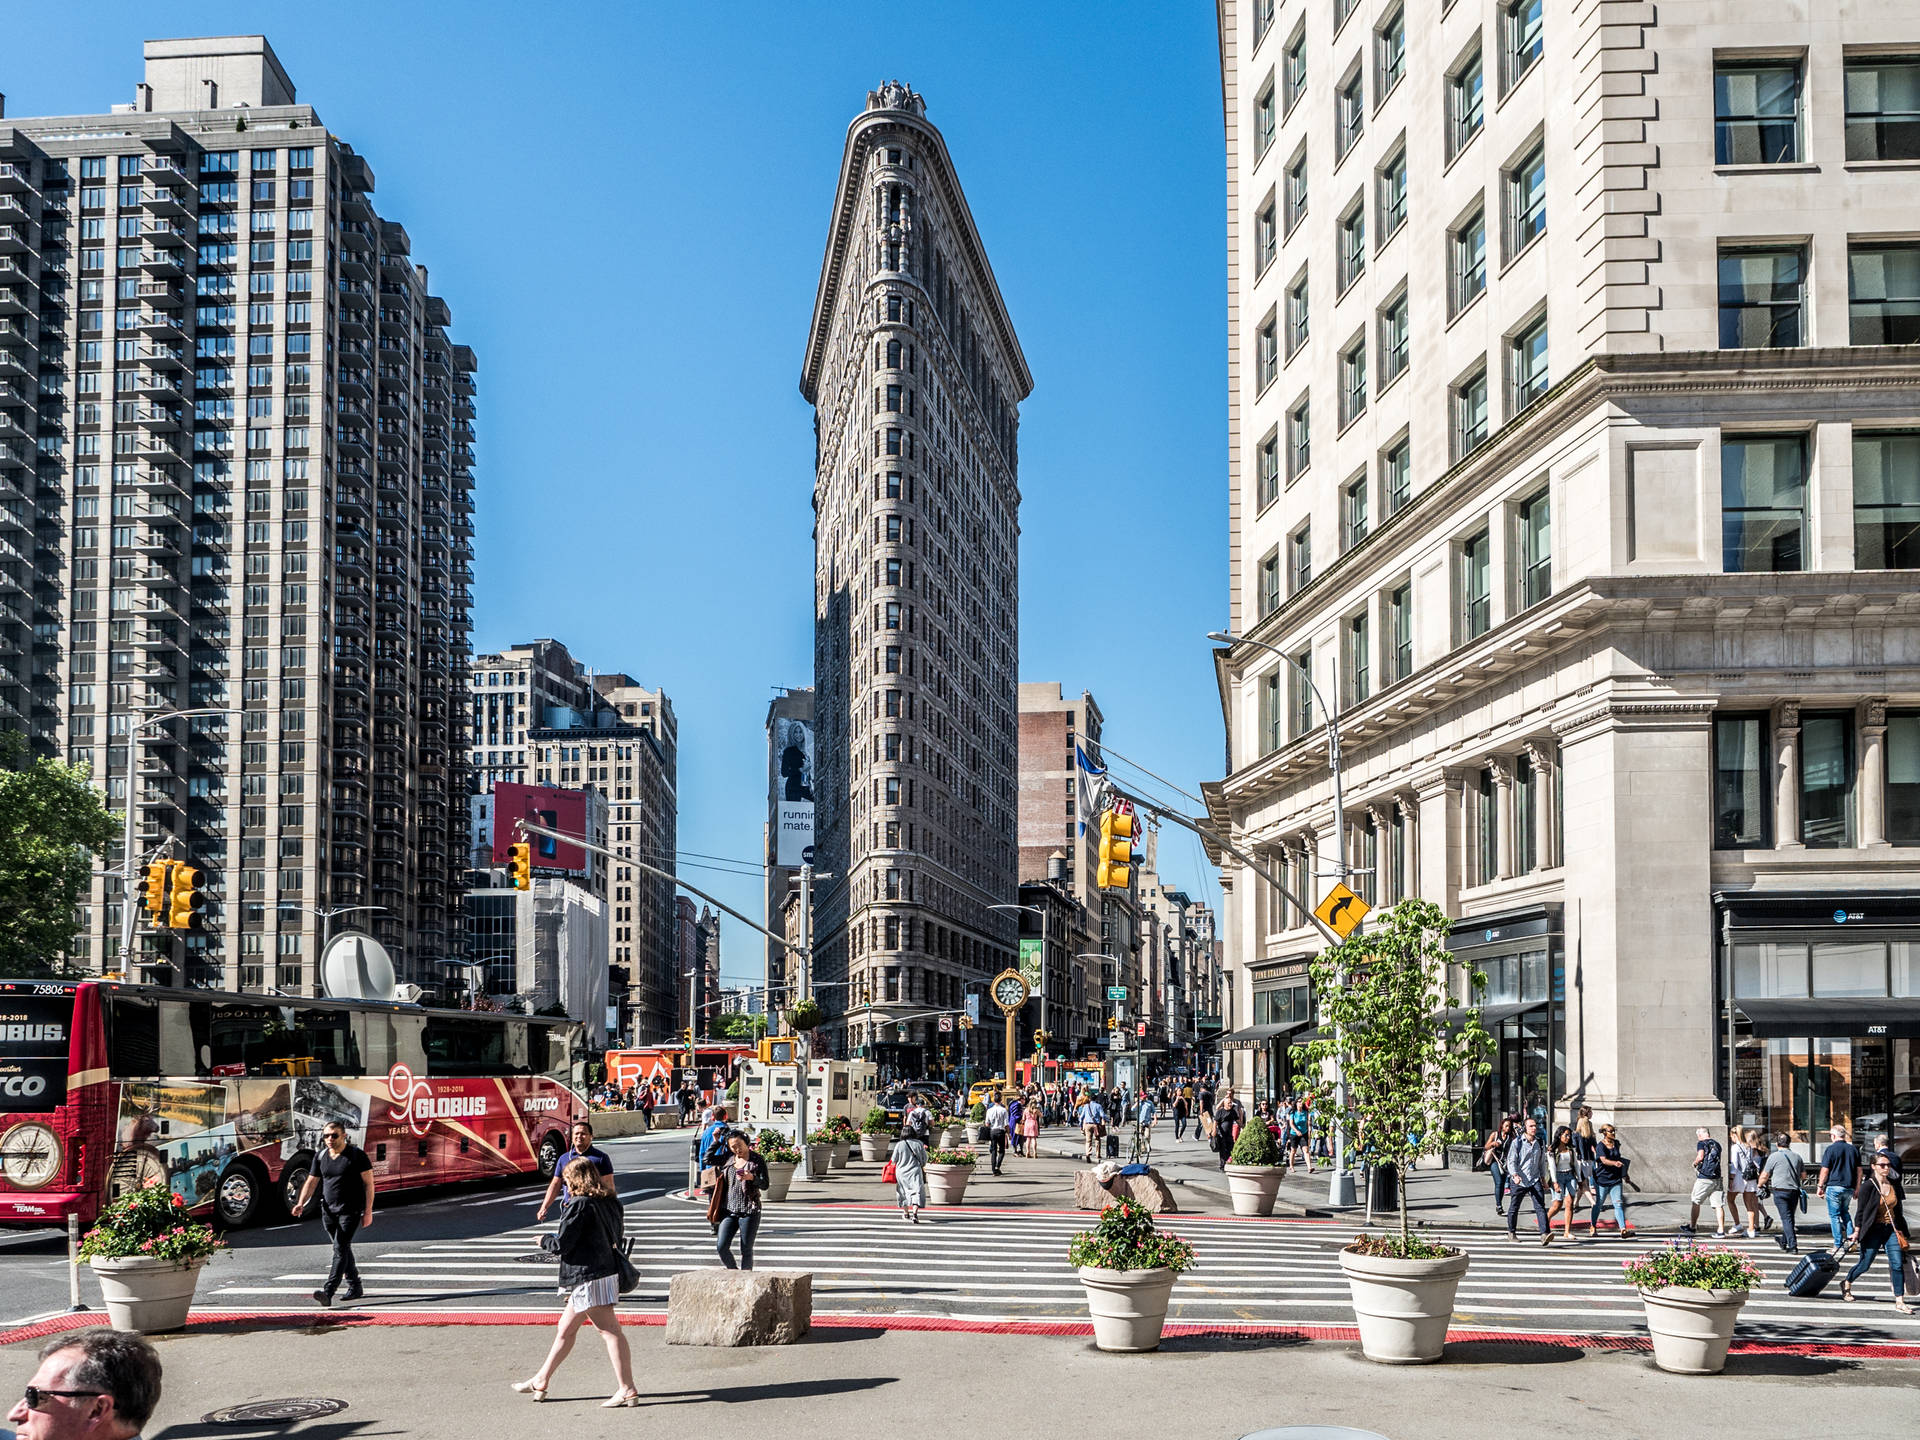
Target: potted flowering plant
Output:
[(782, 1160), (806, 1015), (876, 1135), (947, 1174), (1384, 998), (1254, 1169), (976, 1121), (841, 1129), (147, 1252), (1693, 1295), (1127, 1269), (820, 1154)]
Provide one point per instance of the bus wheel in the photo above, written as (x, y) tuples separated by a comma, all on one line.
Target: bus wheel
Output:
[(240, 1196), (291, 1179), (550, 1149)]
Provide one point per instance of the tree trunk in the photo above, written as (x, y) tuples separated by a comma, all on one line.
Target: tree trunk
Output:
[(1400, 1185)]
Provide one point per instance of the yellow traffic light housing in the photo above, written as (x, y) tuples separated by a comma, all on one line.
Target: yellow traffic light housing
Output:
[(157, 875), (520, 862), (186, 903), (1116, 850)]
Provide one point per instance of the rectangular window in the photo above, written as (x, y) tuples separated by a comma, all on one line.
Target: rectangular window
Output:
[(1358, 658), (1393, 340), (1763, 295), (1527, 366), (1353, 244), (1526, 806), (1266, 237), (1886, 500), (1883, 108), (1486, 829), (1349, 114), (1293, 70), (1270, 584), (1476, 594), (1524, 28), (1296, 190), (1741, 816), (1756, 113), (1271, 713), (1763, 496), (1465, 105), (1470, 415), (1467, 268), (1392, 200), (1266, 356), (1883, 294), (1353, 380), (1302, 692), (1353, 513), (1299, 440), (1299, 559), (1826, 780), (1400, 632), (1527, 201), (1269, 470), (1389, 55), (1297, 314), (1265, 123), (1534, 548), (1262, 20), (1903, 778), (1396, 476)]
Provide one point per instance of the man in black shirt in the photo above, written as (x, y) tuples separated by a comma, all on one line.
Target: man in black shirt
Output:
[(344, 1177)]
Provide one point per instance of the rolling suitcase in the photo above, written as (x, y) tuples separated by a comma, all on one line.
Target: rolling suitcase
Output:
[(1811, 1275), (1113, 1147)]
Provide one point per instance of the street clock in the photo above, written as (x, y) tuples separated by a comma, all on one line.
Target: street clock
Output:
[(1009, 990)]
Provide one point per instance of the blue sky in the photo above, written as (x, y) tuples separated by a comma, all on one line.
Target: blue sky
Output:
[(626, 205)]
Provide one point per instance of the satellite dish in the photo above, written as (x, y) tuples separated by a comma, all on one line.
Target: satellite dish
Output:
[(356, 967)]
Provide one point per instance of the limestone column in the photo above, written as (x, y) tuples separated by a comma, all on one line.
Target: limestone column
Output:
[(1786, 778), (1503, 815), (1441, 841), (1873, 776), (1545, 776), (1409, 808)]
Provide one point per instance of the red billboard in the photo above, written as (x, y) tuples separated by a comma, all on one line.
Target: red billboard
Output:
[(564, 810)]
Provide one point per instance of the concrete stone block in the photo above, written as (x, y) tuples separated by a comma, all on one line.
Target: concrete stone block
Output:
[(1088, 1192), (739, 1307), (1148, 1191)]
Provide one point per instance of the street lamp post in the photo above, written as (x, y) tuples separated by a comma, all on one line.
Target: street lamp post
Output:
[(1340, 1182)]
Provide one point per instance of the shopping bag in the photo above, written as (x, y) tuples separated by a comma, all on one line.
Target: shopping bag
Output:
[(889, 1174)]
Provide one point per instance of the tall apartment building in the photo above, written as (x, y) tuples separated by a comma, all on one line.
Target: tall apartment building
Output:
[(1575, 450), (916, 378), (236, 473), (518, 687)]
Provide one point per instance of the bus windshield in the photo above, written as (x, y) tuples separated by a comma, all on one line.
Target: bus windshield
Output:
[(33, 1050)]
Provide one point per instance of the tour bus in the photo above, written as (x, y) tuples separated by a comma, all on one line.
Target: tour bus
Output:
[(105, 1086)]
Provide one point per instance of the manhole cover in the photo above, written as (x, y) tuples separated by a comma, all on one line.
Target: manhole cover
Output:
[(303, 1407)]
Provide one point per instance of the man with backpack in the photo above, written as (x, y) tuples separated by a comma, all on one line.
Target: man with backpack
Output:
[(1093, 1120), (1708, 1188)]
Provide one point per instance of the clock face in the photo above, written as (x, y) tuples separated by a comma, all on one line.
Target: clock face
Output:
[(1010, 992)]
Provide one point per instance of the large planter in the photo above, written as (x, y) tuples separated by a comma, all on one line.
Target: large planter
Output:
[(1128, 1307), (973, 1132), (842, 1151), (875, 1147), (147, 1295), (947, 1184), (951, 1138), (1403, 1306), (1691, 1328), (779, 1178), (1254, 1187), (819, 1161)]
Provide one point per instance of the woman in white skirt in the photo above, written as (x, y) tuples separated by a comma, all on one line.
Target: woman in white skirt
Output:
[(591, 1223), (1743, 1176)]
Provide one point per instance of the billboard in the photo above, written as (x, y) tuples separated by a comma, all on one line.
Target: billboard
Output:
[(1030, 951), (543, 805), (792, 761)]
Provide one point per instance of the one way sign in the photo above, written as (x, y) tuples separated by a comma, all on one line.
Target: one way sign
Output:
[(1341, 911)]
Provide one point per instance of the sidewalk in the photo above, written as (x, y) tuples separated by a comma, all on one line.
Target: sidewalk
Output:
[(855, 1381)]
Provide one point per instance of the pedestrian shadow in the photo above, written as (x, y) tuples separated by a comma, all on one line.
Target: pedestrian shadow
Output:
[(259, 1430), (756, 1394)]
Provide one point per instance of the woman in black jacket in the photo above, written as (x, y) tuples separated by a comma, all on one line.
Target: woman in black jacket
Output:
[(741, 1176), (1879, 1208), (591, 1223)]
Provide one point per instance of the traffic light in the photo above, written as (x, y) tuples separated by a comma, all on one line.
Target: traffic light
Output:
[(520, 861), (1116, 850), (186, 903), (157, 874), (1112, 1023)]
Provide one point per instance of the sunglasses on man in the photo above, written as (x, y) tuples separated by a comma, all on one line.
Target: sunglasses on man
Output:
[(36, 1398)]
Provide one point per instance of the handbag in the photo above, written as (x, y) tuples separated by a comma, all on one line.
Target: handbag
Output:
[(716, 1205), (629, 1277), (890, 1173)]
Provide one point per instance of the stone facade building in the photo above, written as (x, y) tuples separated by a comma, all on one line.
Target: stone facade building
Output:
[(916, 378), (1573, 449), (236, 473)]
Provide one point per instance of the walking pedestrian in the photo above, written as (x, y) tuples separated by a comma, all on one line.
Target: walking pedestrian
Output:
[(344, 1177), (1228, 1117), (1780, 1180), (1179, 1117), (1610, 1180), (1879, 1203), (1030, 1129), (1566, 1181), (1494, 1152), (909, 1156), (1016, 1111), (1143, 1119), (1839, 1173), (742, 1177), (1743, 1180), (1093, 1123), (1529, 1168), (587, 1243), (1707, 1187), (999, 1121), (583, 1149), (93, 1384), (1883, 1145)]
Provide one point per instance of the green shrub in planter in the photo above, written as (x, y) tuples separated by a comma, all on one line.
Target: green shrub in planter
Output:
[(876, 1123), (1124, 1239), (1257, 1144), (978, 1112), (1691, 1267), (775, 1148), (952, 1157)]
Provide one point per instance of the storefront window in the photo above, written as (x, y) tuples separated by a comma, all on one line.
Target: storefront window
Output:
[(1826, 780), (1767, 971), (1515, 979), (1285, 1006), (1740, 819), (1903, 778), (1905, 969), (1840, 968)]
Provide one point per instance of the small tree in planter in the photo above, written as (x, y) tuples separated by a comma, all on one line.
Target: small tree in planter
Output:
[(1254, 1169), (876, 1135), (976, 1121), (1127, 1269), (947, 1174), (1693, 1295), (1383, 996), (782, 1158), (147, 1252)]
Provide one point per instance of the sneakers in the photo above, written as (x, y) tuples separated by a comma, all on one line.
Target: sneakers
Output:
[(1547, 1239)]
